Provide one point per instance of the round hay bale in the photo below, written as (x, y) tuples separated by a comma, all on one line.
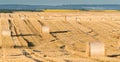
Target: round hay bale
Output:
[(42, 17), (45, 30), (95, 49), (78, 19), (6, 33), (22, 18), (103, 19)]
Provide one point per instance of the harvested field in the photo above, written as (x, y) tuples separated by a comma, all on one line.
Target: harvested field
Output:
[(59, 36)]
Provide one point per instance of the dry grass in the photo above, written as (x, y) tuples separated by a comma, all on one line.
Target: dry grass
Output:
[(64, 41)]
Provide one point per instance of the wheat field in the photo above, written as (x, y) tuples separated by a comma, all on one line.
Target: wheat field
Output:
[(58, 36)]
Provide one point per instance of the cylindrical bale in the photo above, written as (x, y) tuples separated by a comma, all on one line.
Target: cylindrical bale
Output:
[(6, 33), (78, 19), (95, 49), (6, 39), (42, 17), (22, 18), (103, 19), (45, 30)]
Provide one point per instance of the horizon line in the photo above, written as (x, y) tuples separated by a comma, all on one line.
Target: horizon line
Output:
[(59, 4)]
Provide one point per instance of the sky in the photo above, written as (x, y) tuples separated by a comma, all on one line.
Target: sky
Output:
[(58, 2)]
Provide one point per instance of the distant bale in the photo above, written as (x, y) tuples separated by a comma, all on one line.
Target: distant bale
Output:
[(78, 19), (95, 49), (22, 18), (45, 30), (6, 39), (6, 33), (42, 17)]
